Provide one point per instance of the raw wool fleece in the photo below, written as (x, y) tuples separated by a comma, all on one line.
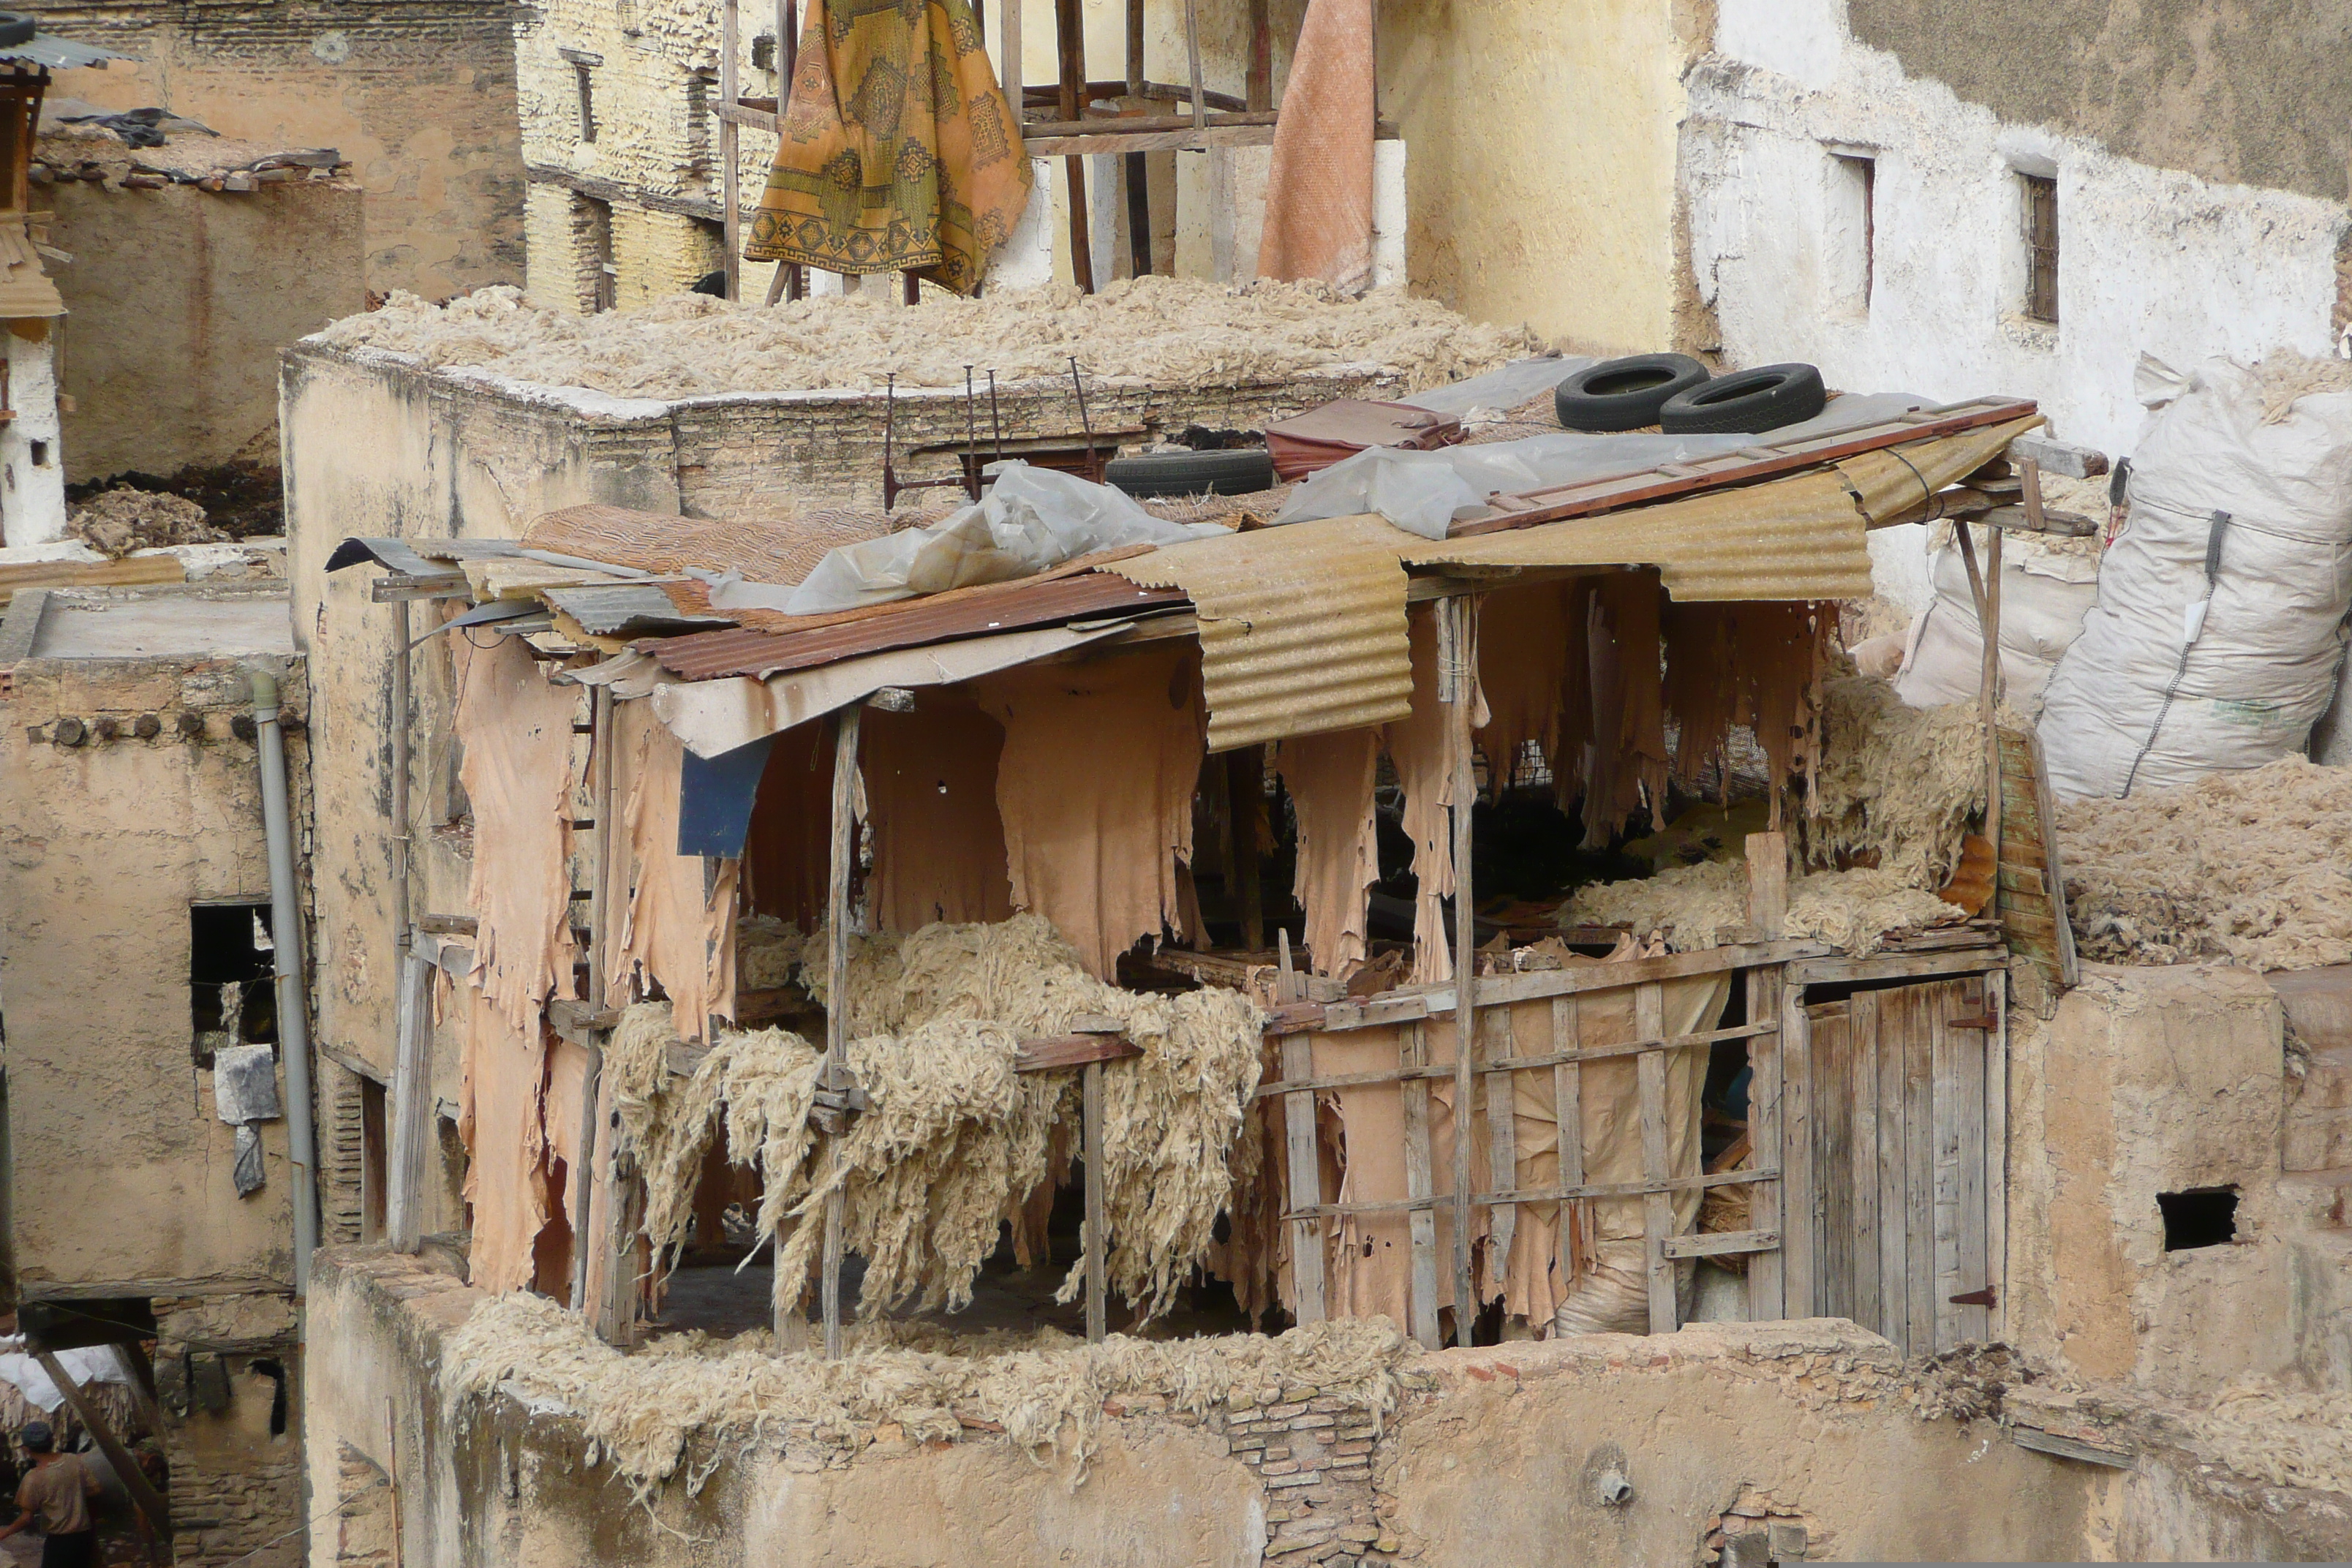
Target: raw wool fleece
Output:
[(642, 1411), (1176, 331), (1895, 782), (1705, 905), (2242, 864), (957, 1140)]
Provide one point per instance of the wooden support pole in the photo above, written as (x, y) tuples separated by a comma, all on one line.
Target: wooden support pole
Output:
[(1990, 622), (1767, 882), (1138, 166), (411, 1103), (836, 1011), (731, 93), (1008, 54), (1657, 1207), (1096, 1240), (1070, 36), (1764, 1053), (1305, 1165), (1421, 1225), (1193, 50), (1261, 56), (600, 918), (1568, 1118), (143, 1492), (1501, 1149), (791, 274), (1460, 678)]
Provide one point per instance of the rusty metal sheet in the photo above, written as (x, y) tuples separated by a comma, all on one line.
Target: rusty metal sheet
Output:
[(1302, 627), (711, 656)]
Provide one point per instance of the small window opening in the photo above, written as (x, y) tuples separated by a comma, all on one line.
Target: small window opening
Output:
[(232, 991), (2202, 1217), (1853, 220), (603, 277), (587, 88), (374, 1161), (40, 454), (263, 1366), (2041, 194)]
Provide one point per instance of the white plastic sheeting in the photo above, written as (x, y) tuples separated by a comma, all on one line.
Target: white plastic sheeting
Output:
[(1424, 492), (2219, 630), (99, 1363), (1031, 520)]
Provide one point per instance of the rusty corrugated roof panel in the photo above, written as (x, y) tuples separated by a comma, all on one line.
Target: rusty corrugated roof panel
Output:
[(976, 611), (1302, 627)]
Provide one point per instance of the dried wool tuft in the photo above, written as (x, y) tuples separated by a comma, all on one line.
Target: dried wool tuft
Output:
[(1173, 331), (767, 952), (1705, 905), (648, 1412), (1895, 782)]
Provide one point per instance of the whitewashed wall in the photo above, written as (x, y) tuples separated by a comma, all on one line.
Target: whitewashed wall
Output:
[(2150, 259)]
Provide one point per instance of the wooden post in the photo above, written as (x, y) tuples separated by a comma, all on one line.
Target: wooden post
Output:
[(1502, 1152), (1767, 883), (1261, 56), (1657, 1207), (1461, 678), (1008, 54), (1799, 1199), (1764, 1289), (143, 1492), (1306, 1165), (791, 274), (836, 1011), (1097, 1241), (731, 93), (1421, 1224), (1138, 173), (1984, 587), (412, 1104), (1070, 37), (1567, 1116), (600, 918), (1192, 49)]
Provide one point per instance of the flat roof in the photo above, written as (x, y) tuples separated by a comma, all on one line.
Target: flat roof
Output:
[(174, 622)]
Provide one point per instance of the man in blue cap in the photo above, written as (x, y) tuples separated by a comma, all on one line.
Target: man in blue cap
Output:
[(58, 1494)]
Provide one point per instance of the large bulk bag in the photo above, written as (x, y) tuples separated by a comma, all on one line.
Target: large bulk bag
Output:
[(2219, 629), (2042, 602)]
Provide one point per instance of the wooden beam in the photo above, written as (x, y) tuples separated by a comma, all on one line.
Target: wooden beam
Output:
[(1304, 1172), (1657, 1207), (729, 177), (132, 571), (1421, 1224), (836, 1014), (1540, 1195), (1070, 43), (1060, 1051), (143, 1492), (411, 1131), (1261, 55), (2058, 457), (601, 739), (1764, 1099), (1718, 1243), (1457, 655), (1096, 1241)]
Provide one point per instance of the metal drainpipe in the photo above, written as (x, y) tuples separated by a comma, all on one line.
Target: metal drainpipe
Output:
[(293, 994)]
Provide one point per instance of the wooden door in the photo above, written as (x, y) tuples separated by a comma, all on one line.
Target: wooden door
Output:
[(1897, 1214)]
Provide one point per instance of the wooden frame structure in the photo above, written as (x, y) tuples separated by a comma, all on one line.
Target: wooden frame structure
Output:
[(1063, 129)]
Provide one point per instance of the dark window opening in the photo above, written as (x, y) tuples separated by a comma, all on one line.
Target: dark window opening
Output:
[(587, 87), (603, 277), (2041, 248), (2202, 1217), (372, 1161), (1861, 179), (40, 454), (232, 991), (276, 1371)]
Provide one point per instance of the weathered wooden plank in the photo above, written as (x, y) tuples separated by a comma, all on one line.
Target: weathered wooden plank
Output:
[(1863, 1010), (1458, 633), (2067, 1448), (1568, 1112), (841, 865), (1995, 1162), (1421, 1225), (1768, 881), (1095, 1242), (411, 1132), (1947, 1046), (1894, 966), (1306, 1171), (1972, 1156), (1048, 1053), (1541, 1195), (1800, 1193), (1895, 1010), (1715, 1244), (1502, 1144), (2033, 913), (1920, 1159), (1528, 1064), (1765, 1282), (1657, 1208), (1833, 1133)]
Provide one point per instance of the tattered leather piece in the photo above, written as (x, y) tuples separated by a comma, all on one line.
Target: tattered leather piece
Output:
[(1625, 759), (930, 786), (500, 1121), (788, 854), (1095, 791), (1421, 748), (1731, 664), (514, 730), (1529, 639), (678, 927), (1330, 779)]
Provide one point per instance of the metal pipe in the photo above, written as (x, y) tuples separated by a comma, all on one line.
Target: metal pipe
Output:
[(400, 768), (293, 994)]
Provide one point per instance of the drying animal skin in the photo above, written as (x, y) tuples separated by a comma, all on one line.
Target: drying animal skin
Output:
[(1176, 331), (957, 1140), (1045, 1392), (2237, 865)]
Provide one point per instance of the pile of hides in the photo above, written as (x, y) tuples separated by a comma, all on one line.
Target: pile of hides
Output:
[(956, 1141), (2235, 866), (1045, 1392), (116, 522), (1171, 331)]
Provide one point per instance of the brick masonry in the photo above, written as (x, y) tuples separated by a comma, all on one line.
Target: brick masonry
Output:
[(236, 1484)]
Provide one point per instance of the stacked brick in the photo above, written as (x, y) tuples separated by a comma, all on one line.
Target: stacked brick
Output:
[(1312, 1451)]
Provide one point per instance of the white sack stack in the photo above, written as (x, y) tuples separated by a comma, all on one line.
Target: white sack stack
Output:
[(2219, 630)]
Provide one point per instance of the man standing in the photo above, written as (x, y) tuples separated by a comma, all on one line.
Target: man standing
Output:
[(58, 1495)]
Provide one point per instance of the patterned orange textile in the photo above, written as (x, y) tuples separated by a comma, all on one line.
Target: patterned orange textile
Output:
[(899, 152)]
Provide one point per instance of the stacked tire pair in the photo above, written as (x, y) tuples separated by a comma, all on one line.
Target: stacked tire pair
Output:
[(1676, 393)]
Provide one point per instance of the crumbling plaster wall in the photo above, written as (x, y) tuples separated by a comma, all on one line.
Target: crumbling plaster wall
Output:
[(32, 471), (2166, 257), (1543, 152), (1808, 1424), (120, 1166), (175, 364), (419, 95), (2150, 1081)]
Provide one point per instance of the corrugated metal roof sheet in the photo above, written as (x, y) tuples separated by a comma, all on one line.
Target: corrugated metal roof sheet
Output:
[(627, 609), (1302, 627), (972, 612), (59, 54)]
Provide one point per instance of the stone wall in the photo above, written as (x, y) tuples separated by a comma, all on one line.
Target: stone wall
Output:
[(237, 1461), (419, 95)]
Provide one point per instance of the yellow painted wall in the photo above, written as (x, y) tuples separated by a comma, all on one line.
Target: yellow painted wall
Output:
[(1540, 161)]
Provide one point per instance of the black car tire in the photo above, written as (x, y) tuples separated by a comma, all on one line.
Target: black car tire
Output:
[(1745, 402), (1236, 471), (15, 29), (1624, 393)]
